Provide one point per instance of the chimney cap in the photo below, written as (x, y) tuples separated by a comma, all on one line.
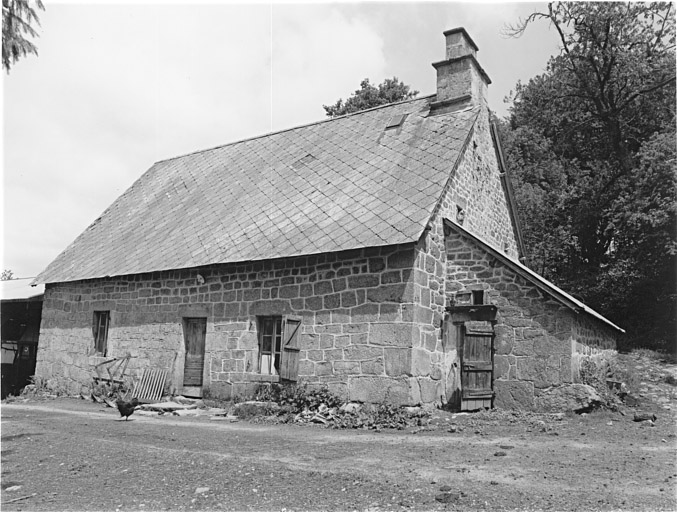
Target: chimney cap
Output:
[(465, 34)]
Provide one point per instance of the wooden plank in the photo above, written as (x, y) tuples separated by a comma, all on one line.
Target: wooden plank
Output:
[(478, 393), (476, 370), (289, 367), (151, 385)]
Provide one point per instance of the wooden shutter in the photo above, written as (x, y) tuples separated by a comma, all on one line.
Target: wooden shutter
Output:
[(101, 321), (289, 367)]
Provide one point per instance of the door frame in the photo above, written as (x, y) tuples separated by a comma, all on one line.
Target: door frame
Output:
[(474, 401), (193, 389), (458, 316)]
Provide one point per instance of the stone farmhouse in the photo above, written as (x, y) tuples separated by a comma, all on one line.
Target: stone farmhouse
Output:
[(377, 253)]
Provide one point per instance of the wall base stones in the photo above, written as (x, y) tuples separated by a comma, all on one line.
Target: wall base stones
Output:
[(514, 394), (569, 397)]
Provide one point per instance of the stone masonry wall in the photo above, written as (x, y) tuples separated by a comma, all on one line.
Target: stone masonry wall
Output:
[(359, 309), (535, 335), (476, 188), (474, 184), (591, 342)]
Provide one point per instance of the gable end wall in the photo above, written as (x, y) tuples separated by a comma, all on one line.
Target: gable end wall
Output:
[(476, 186), (539, 342)]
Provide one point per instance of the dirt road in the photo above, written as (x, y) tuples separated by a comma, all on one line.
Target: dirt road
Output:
[(69, 454)]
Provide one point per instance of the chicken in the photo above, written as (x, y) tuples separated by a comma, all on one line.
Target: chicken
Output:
[(127, 408)]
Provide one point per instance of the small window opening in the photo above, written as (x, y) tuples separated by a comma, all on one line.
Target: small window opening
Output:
[(303, 161), (100, 330), (478, 297), (460, 215)]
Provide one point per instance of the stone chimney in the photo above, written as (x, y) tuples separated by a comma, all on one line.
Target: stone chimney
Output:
[(461, 81)]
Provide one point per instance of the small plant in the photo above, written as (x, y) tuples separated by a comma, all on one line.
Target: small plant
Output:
[(297, 397), (41, 387), (600, 374), (305, 404), (111, 390)]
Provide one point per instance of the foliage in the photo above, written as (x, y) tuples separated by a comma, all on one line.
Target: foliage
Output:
[(7, 275), (596, 373), (301, 403), (111, 390), (18, 18), (368, 96), (297, 397), (591, 144)]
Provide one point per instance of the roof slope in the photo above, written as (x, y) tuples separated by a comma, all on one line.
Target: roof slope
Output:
[(339, 184)]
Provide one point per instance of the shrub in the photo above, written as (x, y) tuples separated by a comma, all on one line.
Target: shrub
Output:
[(597, 373), (297, 397)]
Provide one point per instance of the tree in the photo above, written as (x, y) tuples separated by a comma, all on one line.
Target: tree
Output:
[(6, 275), (598, 197), (18, 18), (368, 96)]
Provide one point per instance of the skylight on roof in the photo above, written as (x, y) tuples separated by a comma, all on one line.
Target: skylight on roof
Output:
[(303, 161), (396, 121)]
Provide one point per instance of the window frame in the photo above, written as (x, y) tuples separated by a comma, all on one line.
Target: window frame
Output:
[(275, 334), (278, 337), (101, 319)]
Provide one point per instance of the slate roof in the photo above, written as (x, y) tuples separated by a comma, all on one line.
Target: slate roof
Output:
[(339, 184)]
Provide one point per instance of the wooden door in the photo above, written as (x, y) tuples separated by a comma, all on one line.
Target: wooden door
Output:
[(194, 333), (477, 370), (289, 369)]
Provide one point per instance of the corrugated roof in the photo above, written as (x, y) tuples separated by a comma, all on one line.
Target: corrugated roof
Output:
[(339, 184)]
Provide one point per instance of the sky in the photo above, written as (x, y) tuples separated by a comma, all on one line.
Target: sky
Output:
[(119, 86)]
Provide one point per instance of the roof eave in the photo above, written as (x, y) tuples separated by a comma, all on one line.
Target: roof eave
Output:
[(506, 184)]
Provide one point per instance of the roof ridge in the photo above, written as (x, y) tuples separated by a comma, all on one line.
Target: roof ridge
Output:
[(268, 134)]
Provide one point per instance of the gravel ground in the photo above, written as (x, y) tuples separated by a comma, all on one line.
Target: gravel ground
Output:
[(69, 454)]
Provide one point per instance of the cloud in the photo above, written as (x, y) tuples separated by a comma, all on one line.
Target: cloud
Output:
[(319, 55)]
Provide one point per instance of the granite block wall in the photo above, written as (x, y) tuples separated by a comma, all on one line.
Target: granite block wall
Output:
[(360, 311), (537, 339), (474, 188)]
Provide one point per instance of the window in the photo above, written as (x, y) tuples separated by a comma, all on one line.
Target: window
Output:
[(460, 215), (270, 341), (100, 329), (478, 297), (278, 346)]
